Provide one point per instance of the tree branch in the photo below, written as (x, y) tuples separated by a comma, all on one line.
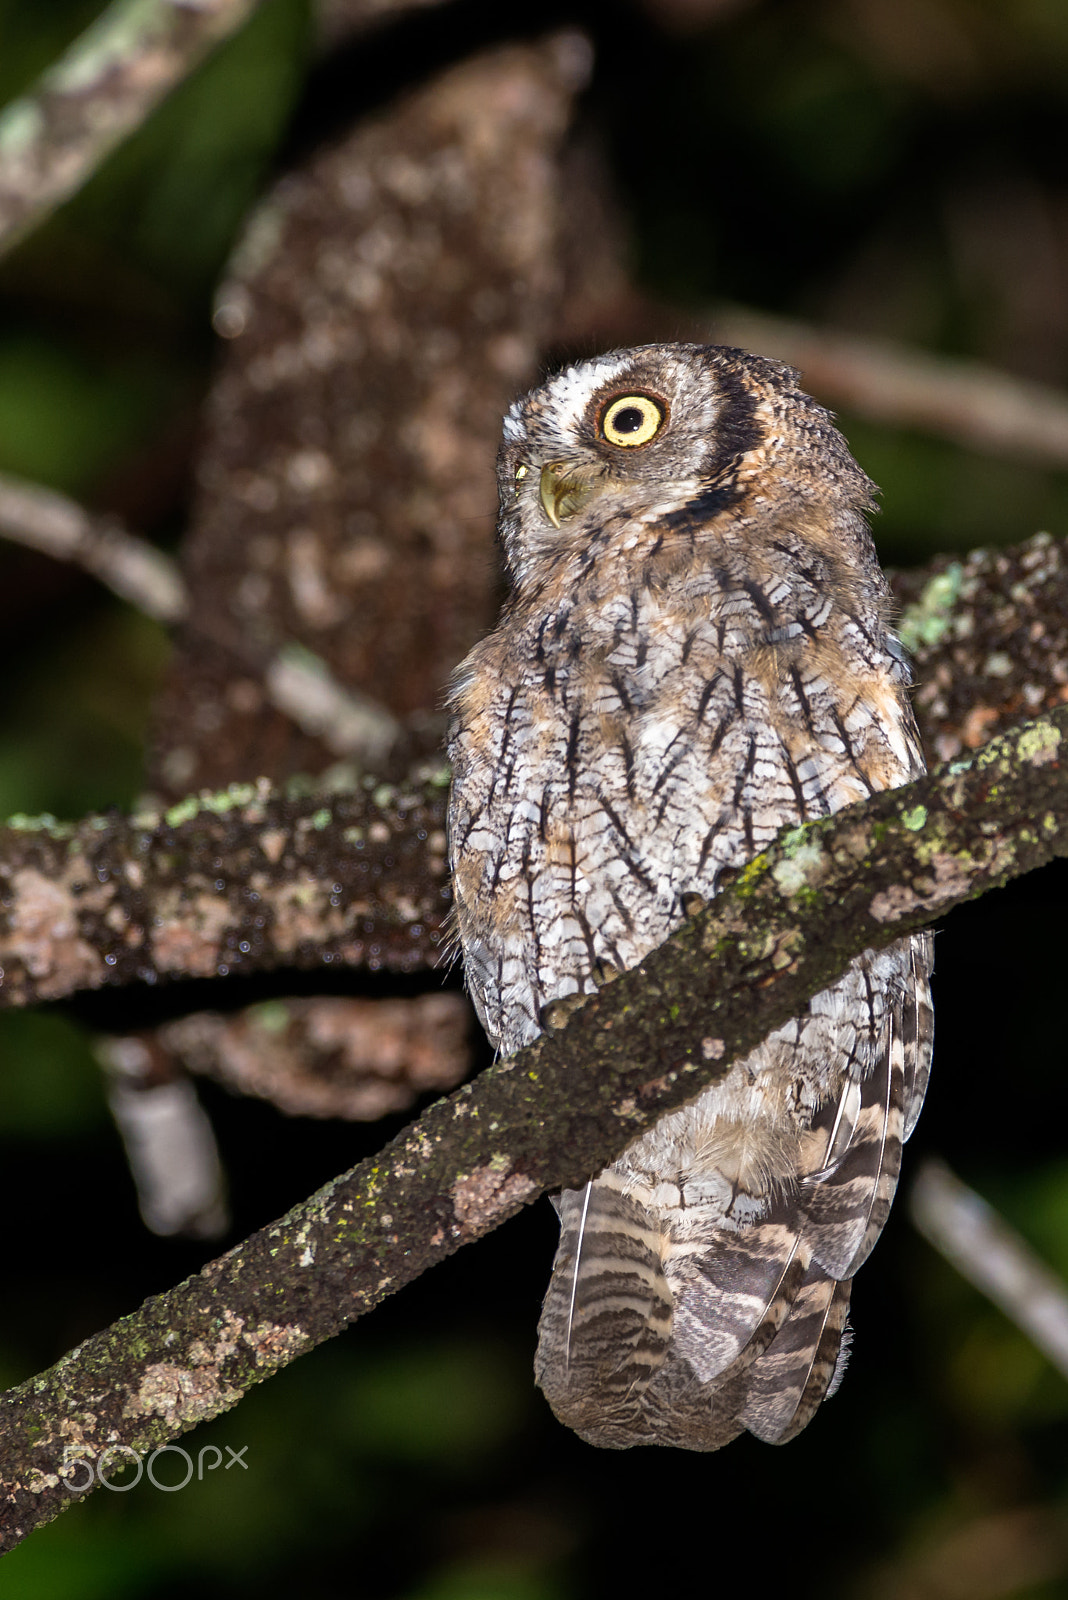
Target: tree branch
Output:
[(976, 406), (959, 1224), (240, 881), (783, 928), (53, 138), (988, 635), (248, 879)]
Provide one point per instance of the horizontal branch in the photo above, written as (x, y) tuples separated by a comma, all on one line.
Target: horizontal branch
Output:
[(783, 928), (235, 882), (976, 406), (248, 880), (55, 136)]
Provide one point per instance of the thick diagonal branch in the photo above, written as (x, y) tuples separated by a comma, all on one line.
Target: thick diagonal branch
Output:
[(785, 927)]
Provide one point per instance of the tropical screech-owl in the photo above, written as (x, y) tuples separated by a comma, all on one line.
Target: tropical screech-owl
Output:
[(696, 652)]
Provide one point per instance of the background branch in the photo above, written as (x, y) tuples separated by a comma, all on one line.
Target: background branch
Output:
[(992, 1256), (785, 927), (966, 401), (989, 640), (53, 138)]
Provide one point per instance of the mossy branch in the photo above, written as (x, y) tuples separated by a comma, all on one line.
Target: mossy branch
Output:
[(237, 882), (250, 879), (783, 928)]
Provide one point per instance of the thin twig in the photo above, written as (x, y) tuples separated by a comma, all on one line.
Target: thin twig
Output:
[(993, 1257), (300, 683), (972, 404), (54, 137), (132, 568), (337, 21), (170, 1144), (295, 680), (781, 931)]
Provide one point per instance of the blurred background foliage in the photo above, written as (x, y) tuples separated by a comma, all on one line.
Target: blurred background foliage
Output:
[(893, 167)]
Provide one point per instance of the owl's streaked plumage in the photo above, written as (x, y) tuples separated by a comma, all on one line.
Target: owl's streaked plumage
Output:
[(696, 652)]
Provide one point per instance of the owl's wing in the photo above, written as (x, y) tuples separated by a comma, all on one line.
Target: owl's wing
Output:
[(845, 1204), (801, 1364), (917, 1028)]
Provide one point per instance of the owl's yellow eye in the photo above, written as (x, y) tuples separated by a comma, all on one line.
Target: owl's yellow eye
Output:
[(631, 420)]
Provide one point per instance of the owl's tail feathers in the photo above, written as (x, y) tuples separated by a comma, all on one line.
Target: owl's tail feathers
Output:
[(802, 1363), (606, 1321), (646, 1340)]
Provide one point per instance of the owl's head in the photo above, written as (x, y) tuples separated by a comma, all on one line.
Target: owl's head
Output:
[(664, 434)]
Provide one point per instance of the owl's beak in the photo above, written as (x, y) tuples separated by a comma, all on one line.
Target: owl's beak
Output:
[(565, 489)]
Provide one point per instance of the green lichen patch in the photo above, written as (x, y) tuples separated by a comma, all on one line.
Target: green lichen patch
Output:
[(184, 811), (750, 876), (803, 863), (927, 620), (45, 823), (1039, 744), (270, 1015)]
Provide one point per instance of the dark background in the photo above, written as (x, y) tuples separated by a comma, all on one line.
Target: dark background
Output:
[(890, 168)]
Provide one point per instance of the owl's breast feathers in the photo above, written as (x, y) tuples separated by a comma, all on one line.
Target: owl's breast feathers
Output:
[(675, 679)]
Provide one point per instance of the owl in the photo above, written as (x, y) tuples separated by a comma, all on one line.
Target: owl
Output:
[(695, 653)]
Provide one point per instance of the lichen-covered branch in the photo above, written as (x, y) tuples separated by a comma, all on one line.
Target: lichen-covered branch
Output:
[(54, 137), (784, 927), (235, 882), (988, 634), (247, 880)]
